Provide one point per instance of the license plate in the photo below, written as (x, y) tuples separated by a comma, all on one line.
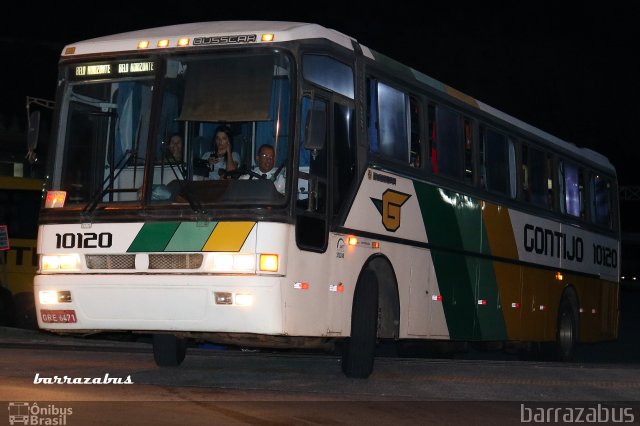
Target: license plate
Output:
[(58, 316)]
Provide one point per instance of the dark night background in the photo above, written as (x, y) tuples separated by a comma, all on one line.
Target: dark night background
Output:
[(569, 70)]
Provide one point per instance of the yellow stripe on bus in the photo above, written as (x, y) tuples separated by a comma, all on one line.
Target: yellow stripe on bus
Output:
[(497, 222), (228, 236)]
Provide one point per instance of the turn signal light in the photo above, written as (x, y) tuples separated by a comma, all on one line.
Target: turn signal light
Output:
[(269, 262)]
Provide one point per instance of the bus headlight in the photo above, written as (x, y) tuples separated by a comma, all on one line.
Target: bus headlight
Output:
[(243, 299), (52, 297), (63, 262), (234, 262)]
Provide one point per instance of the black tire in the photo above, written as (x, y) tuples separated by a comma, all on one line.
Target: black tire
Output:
[(567, 329), (358, 350), (168, 350), (26, 311)]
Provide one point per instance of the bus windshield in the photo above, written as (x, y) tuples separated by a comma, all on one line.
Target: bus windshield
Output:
[(125, 122)]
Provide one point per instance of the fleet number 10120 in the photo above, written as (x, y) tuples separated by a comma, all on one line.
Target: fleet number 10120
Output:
[(84, 240)]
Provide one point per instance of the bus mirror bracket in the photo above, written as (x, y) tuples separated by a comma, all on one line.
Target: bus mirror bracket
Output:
[(34, 130)]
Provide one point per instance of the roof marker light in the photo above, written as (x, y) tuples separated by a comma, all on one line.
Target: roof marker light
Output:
[(143, 44), (267, 37), (163, 43), (183, 42)]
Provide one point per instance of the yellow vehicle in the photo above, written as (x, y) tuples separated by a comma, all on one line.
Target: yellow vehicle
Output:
[(20, 200)]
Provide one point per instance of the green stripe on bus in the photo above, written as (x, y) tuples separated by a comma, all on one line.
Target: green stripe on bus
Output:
[(153, 237), (191, 236), (438, 208)]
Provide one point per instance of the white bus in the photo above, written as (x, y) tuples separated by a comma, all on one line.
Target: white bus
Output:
[(408, 210)]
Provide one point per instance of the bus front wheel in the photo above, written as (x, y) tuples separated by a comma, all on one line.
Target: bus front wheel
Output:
[(359, 349), (168, 350)]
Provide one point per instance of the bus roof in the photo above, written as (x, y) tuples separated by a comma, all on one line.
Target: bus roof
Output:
[(247, 32), (207, 33)]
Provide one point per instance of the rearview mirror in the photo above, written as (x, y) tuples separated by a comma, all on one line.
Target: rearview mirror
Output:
[(315, 128)]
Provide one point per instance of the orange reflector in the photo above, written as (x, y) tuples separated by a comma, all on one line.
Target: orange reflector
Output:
[(143, 44), (267, 37), (337, 288), (55, 199), (353, 241), (375, 245), (70, 50), (269, 262), (163, 43), (301, 286), (559, 276), (183, 42)]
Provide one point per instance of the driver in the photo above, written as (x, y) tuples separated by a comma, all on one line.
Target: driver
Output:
[(265, 160)]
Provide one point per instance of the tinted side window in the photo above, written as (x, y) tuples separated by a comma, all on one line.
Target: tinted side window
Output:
[(572, 192), (601, 200), (495, 153), (328, 73), (535, 180), (388, 121), (449, 141)]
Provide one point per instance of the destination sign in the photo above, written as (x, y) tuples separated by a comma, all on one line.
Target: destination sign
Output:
[(112, 69)]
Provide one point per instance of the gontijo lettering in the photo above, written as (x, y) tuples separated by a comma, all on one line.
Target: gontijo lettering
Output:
[(553, 243)]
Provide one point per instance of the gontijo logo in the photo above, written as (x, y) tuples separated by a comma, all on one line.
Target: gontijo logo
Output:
[(389, 207)]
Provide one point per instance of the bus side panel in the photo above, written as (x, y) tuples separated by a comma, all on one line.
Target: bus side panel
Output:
[(598, 304), (454, 273)]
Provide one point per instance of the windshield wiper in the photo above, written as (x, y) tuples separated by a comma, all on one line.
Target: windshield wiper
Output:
[(110, 180)]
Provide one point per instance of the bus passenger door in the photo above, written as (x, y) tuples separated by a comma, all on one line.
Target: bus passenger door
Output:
[(311, 188)]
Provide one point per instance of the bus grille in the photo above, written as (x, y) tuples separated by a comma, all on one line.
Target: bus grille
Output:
[(175, 261), (111, 261)]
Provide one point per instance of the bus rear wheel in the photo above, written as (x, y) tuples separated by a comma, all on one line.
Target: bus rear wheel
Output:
[(168, 350), (359, 349), (567, 330)]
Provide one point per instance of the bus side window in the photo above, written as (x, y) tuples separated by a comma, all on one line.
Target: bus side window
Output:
[(549, 174), (535, 179), (433, 142), (468, 152), (390, 137), (601, 200), (498, 159), (450, 142), (573, 189), (415, 159)]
